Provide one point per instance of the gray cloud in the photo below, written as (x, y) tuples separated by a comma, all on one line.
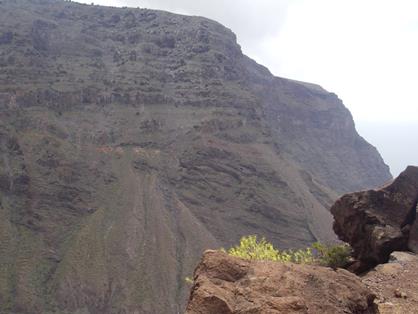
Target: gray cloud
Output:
[(250, 20)]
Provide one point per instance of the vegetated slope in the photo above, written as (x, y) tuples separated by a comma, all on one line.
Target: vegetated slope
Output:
[(131, 140)]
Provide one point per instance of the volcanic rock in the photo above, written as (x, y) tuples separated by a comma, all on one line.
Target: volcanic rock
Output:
[(378, 222), (229, 285)]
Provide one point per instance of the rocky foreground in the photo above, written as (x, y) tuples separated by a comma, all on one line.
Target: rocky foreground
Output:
[(225, 284), (395, 284), (375, 222)]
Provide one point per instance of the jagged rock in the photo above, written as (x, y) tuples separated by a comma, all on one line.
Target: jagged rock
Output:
[(377, 222), (229, 285)]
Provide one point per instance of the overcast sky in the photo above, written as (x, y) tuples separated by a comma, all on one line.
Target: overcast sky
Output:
[(365, 51)]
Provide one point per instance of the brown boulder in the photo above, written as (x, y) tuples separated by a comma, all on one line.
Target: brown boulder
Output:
[(378, 222), (226, 285)]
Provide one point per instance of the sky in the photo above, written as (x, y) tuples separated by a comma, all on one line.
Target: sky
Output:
[(365, 51)]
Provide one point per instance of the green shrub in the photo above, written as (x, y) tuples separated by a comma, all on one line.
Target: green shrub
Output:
[(250, 248), (319, 254), (188, 280), (332, 256)]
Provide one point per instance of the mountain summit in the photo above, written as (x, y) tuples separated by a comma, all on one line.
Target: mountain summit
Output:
[(131, 140)]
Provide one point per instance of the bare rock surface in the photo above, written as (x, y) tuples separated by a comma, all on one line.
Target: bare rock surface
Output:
[(395, 284), (228, 285), (378, 222)]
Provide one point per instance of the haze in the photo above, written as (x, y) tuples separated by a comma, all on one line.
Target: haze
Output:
[(364, 51)]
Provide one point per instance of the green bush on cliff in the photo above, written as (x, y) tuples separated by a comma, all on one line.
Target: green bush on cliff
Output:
[(251, 248), (332, 255), (320, 254)]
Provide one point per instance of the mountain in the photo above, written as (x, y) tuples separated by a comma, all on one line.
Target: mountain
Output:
[(132, 140)]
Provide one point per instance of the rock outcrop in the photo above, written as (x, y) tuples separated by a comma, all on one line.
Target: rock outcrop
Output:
[(131, 140), (230, 285), (378, 222)]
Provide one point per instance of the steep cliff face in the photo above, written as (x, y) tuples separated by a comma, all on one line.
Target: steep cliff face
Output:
[(131, 140)]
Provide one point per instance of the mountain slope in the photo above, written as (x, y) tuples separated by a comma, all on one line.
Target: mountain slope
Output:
[(131, 140)]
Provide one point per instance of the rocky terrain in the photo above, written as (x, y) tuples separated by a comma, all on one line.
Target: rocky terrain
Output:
[(230, 285), (375, 222), (394, 284), (132, 140), (226, 284), (378, 223)]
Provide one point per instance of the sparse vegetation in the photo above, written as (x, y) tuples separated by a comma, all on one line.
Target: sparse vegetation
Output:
[(188, 280), (332, 255), (320, 254)]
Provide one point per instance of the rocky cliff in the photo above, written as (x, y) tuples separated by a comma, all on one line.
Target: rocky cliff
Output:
[(131, 140)]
